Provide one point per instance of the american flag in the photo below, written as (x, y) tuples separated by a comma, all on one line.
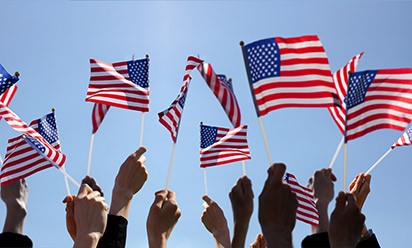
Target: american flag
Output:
[(405, 139), (121, 84), (289, 72), (170, 118), (6, 80), (8, 95), (378, 99), (340, 78), (307, 211), (27, 155), (223, 92), (220, 145), (98, 114)]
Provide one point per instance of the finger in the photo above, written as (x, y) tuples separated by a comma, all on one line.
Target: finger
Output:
[(246, 185), (333, 177), (84, 190), (171, 195), (351, 200), (340, 201), (68, 198), (139, 152), (94, 194), (142, 159), (278, 172), (207, 199), (160, 196), (93, 184)]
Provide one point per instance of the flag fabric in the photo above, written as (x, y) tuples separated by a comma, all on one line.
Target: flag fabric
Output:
[(122, 84), (289, 72), (6, 80), (405, 139), (220, 145), (223, 92), (98, 114), (340, 79), (378, 99), (170, 118), (26, 154), (307, 211), (8, 95)]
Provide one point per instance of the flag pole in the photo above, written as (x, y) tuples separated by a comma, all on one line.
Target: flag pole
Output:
[(345, 144), (243, 167), (142, 119), (255, 102), (66, 182), (205, 181), (336, 152), (379, 160), (169, 171), (90, 154)]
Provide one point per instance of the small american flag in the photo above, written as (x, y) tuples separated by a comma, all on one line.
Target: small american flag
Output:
[(122, 84), (222, 145), (6, 80), (27, 155), (170, 118), (340, 78), (378, 99), (307, 211), (98, 114), (405, 139), (223, 92), (8, 95), (289, 72)]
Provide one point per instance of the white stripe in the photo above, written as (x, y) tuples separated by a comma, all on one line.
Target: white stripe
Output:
[(376, 123), (117, 101), (302, 44), (284, 57), (295, 79), (296, 67), (406, 76)]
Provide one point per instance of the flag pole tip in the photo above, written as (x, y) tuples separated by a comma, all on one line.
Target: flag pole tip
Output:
[(230, 79), (190, 76), (17, 74), (147, 56), (242, 43), (53, 109)]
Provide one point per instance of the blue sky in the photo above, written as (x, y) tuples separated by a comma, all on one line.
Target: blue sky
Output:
[(50, 44)]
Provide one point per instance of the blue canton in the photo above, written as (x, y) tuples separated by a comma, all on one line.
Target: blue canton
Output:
[(225, 81), (139, 72), (182, 100), (359, 83), (263, 58), (286, 177), (409, 133), (6, 80), (48, 128), (35, 144), (207, 136)]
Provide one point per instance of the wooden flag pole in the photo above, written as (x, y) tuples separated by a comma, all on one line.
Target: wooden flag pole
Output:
[(66, 182), (205, 181), (336, 152), (255, 102), (169, 171), (379, 160), (90, 154)]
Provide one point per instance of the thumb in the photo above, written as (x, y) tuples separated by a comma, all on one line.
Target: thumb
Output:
[(207, 199), (160, 196), (84, 190)]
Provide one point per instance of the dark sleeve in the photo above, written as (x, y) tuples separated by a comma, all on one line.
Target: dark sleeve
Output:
[(371, 242), (8, 239), (316, 240), (115, 234)]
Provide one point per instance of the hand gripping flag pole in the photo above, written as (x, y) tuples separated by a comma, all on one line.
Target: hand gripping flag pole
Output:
[(256, 106)]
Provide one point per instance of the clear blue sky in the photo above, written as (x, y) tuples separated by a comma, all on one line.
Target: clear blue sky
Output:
[(50, 44)]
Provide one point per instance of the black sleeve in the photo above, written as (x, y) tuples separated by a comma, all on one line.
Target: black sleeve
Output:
[(115, 234), (371, 242), (8, 239), (316, 240)]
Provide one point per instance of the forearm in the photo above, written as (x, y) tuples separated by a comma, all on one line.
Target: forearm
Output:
[(239, 234), (14, 219), (323, 226), (222, 239), (121, 202), (157, 241), (86, 240)]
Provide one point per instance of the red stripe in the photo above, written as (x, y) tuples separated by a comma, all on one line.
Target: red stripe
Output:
[(297, 39)]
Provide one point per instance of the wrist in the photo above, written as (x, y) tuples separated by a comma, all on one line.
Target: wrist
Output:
[(87, 239), (278, 237), (120, 204), (157, 241)]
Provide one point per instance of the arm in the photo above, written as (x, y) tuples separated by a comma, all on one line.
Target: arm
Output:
[(215, 222), (163, 216), (322, 185), (90, 215), (259, 242), (277, 209), (241, 198), (15, 196)]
